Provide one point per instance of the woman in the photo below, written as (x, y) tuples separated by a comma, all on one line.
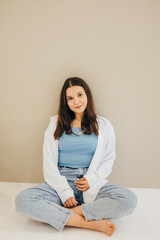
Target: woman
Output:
[(78, 155)]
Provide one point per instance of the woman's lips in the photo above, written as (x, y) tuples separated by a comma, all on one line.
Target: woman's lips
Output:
[(79, 106)]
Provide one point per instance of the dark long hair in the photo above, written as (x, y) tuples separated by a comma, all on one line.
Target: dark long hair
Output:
[(66, 115)]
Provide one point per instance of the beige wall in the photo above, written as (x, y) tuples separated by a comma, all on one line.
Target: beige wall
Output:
[(114, 45)]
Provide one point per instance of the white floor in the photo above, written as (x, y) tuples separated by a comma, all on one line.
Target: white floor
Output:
[(143, 224)]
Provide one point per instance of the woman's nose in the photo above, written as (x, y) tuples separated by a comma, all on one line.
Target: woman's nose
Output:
[(76, 101)]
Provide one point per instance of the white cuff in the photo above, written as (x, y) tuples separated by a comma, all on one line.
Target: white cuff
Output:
[(64, 195), (90, 179)]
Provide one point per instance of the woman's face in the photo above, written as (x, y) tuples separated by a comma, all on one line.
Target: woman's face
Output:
[(76, 97)]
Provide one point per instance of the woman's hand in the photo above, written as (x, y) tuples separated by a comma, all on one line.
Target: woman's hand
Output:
[(82, 184), (70, 202)]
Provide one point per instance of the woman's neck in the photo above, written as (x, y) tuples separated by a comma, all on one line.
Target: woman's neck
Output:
[(76, 123)]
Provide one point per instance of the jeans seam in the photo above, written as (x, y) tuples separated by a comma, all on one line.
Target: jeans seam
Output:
[(67, 212), (64, 221)]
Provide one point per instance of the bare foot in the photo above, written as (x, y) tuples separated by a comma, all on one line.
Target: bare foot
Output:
[(105, 226)]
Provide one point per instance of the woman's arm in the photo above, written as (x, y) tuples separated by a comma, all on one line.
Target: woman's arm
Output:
[(50, 161), (104, 168)]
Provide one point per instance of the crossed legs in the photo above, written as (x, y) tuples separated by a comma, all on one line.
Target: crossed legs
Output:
[(112, 201), (77, 219)]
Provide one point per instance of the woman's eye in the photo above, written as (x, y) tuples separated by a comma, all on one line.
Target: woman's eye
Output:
[(78, 95)]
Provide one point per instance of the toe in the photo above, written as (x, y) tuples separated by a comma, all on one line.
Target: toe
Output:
[(110, 234), (114, 226)]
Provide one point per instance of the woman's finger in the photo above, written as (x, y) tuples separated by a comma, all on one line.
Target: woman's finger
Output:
[(74, 202), (67, 203), (70, 202), (81, 182), (82, 185), (82, 188)]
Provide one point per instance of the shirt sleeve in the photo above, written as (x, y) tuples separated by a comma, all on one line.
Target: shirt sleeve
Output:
[(50, 169), (104, 168)]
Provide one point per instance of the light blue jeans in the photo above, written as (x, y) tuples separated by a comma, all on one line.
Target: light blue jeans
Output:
[(42, 203)]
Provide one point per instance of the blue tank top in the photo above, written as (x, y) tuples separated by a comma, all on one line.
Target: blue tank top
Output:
[(76, 151)]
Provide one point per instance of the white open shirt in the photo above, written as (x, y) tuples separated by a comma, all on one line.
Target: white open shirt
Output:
[(98, 171)]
